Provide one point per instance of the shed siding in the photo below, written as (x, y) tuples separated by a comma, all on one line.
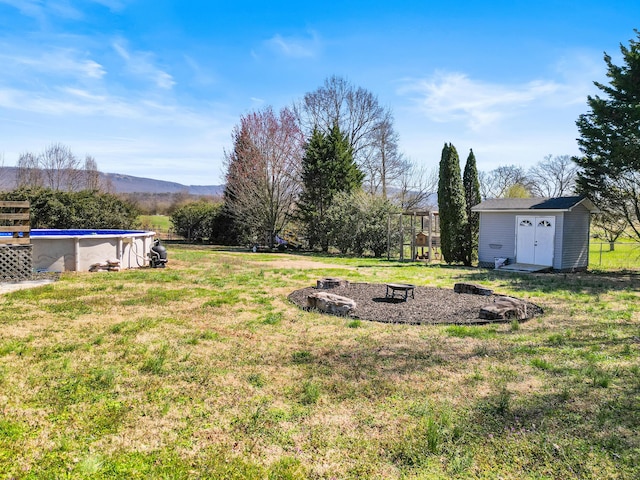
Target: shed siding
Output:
[(557, 240), (575, 239), (497, 237)]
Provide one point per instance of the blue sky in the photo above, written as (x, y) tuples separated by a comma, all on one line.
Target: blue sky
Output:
[(153, 88)]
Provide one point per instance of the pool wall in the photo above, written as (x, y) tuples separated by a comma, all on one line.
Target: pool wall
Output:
[(77, 251)]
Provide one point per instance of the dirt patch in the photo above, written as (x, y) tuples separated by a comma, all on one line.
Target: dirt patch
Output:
[(303, 264), (429, 305)]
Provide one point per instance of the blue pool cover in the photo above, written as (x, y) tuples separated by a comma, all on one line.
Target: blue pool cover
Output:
[(75, 233)]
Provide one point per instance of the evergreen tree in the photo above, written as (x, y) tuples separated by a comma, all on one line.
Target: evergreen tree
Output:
[(452, 207), (327, 169), (313, 201), (471, 186), (610, 140)]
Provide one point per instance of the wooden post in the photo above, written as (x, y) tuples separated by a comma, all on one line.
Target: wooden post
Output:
[(413, 237), (430, 236), (401, 237), (15, 219), (16, 262), (389, 236)]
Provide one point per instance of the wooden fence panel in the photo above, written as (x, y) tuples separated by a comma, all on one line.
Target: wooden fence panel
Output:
[(15, 219)]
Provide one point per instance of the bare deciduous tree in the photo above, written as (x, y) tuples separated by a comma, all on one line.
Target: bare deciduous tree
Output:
[(609, 225), (28, 172), (263, 171), (5, 182), (355, 110), (553, 177), (58, 168), (500, 182), (417, 188), (91, 174), (382, 162), (368, 127)]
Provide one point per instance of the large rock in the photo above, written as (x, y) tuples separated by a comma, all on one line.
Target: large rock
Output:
[(472, 288), (504, 308), (330, 303), (331, 282)]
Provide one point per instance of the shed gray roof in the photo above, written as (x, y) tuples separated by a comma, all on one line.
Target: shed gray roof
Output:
[(520, 204)]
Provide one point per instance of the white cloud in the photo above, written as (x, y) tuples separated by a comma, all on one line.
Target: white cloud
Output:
[(66, 102), (504, 123), (141, 64), (58, 62), (113, 5), (136, 136), (64, 9), (200, 75), (295, 47), (454, 97), (41, 10)]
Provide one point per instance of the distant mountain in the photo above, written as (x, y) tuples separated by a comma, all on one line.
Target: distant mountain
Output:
[(130, 184), (120, 183)]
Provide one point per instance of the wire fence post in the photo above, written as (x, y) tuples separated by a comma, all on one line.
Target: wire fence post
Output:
[(600, 254)]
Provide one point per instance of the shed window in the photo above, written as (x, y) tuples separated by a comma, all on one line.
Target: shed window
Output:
[(544, 223), (526, 223)]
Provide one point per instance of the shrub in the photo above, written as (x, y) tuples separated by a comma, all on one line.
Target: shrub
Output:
[(82, 209), (357, 223), (194, 221)]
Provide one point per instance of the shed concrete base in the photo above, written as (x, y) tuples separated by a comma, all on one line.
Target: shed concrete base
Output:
[(525, 267)]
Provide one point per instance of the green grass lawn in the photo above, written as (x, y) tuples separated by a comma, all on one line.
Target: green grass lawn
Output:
[(625, 256), (205, 370), (160, 223)]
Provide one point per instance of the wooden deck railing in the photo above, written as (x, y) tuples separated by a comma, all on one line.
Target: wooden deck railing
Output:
[(14, 219)]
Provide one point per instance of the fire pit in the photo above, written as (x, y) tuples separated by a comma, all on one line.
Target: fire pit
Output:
[(331, 282), (431, 305), (405, 288)]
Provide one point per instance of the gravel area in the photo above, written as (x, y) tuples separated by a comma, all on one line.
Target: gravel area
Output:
[(430, 305), (36, 280)]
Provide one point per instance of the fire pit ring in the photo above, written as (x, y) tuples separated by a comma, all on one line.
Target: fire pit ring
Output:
[(405, 288)]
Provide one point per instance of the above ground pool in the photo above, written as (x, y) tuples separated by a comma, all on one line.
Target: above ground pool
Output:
[(78, 250)]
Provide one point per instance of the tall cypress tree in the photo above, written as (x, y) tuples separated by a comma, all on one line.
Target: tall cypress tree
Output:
[(327, 168), (452, 206), (471, 186)]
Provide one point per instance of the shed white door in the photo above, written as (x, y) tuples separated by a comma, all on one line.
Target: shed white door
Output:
[(535, 240)]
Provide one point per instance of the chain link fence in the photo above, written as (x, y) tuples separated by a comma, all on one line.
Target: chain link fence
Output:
[(614, 256)]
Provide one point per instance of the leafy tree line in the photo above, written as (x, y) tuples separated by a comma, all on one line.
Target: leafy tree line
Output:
[(75, 209), (67, 193), (323, 199), (348, 145), (286, 171)]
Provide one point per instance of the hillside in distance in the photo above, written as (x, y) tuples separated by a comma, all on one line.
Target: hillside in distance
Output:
[(129, 184), (119, 183)]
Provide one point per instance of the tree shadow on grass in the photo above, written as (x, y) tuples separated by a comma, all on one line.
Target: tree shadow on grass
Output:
[(575, 414), (584, 282), (581, 420)]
